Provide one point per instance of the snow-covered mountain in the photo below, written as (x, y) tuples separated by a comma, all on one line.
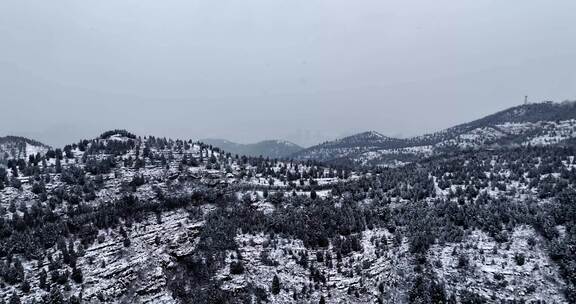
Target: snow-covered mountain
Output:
[(266, 148), (129, 219), (349, 146), (531, 124), (15, 147)]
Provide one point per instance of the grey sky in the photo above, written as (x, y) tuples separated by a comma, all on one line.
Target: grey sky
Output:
[(302, 70)]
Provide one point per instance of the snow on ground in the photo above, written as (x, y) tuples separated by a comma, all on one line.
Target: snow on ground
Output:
[(492, 269), (136, 271), (33, 150), (114, 271), (263, 258)]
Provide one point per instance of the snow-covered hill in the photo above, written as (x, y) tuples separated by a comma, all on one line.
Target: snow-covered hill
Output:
[(266, 148), (348, 146), (15, 147), (99, 175), (128, 219), (531, 124)]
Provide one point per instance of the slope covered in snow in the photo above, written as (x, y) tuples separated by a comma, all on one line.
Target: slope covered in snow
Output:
[(531, 124), (16, 147), (129, 219)]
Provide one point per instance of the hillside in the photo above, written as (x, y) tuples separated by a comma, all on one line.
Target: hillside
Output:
[(266, 148), (348, 146), (531, 124), (15, 147), (127, 219)]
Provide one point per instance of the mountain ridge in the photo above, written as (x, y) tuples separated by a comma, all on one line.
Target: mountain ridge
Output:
[(271, 148), (524, 124)]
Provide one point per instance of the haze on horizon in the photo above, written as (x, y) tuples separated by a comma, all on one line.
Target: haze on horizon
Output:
[(300, 70)]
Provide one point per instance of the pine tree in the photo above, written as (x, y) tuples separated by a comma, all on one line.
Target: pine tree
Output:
[(42, 279), (275, 285), (313, 195), (25, 286), (77, 275), (12, 207)]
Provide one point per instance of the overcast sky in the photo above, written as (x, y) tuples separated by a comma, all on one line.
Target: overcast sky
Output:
[(302, 70)]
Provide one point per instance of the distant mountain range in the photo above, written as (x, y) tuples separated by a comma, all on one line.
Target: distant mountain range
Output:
[(267, 148), (531, 124), (544, 123)]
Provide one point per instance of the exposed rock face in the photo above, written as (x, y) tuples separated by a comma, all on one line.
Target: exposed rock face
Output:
[(136, 273), (493, 271), (114, 271)]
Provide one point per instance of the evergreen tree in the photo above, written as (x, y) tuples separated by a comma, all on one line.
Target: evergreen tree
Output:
[(77, 275), (275, 285), (58, 165), (42, 279), (313, 195), (25, 286)]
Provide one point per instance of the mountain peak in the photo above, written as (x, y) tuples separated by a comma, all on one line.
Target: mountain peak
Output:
[(272, 148), (368, 138), (117, 133), (372, 134)]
